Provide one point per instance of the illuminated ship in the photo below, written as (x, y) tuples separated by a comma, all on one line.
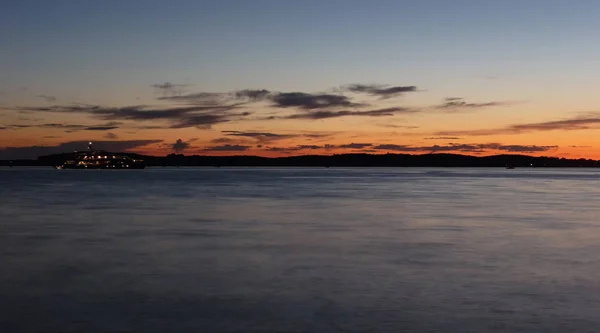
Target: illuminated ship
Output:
[(100, 159)]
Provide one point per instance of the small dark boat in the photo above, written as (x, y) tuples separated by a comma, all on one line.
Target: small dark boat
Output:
[(510, 167), (100, 159)]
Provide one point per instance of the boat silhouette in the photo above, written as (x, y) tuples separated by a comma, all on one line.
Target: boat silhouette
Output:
[(100, 159)]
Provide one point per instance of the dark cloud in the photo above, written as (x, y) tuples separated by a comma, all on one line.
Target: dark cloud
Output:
[(227, 147), (311, 147), (311, 101), (76, 108), (356, 145), (307, 101), (482, 147), (524, 149), (458, 103), (47, 98), (205, 109), (180, 117), (381, 90), (180, 146), (260, 136), (111, 136), (204, 121), (105, 127), (30, 152), (314, 115), (142, 113), (580, 123), (220, 99)]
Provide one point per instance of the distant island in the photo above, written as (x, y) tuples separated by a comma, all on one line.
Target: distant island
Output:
[(341, 160)]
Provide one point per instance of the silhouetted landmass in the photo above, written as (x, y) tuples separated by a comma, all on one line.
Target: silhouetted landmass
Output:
[(342, 160)]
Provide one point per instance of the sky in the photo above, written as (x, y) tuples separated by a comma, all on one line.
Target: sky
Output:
[(282, 78)]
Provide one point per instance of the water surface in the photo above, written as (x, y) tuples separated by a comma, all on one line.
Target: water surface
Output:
[(299, 250)]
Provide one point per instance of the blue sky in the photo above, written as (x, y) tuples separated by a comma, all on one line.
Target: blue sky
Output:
[(296, 45), (110, 52)]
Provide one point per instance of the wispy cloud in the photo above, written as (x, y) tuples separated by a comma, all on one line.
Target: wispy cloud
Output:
[(70, 127), (478, 147), (227, 147), (200, 98), (452, 147), (262, 137), (223, 140), (398, 126), (47, 98), (269, 137), (443, 138), (579, 123), (458, 103), (180, 117)]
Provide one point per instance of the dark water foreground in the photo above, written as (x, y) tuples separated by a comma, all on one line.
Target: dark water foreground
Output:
[(300, 250)]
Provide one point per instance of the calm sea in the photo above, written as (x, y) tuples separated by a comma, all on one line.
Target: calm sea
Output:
[(300, 250)]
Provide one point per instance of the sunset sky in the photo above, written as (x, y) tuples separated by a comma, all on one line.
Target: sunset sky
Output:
[(280, 78)]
